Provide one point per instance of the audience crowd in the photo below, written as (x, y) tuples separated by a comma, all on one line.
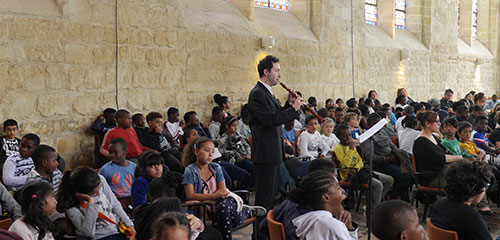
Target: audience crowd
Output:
[(150, 165)]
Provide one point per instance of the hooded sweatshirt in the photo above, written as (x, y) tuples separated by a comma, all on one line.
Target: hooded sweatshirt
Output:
[(322, 225)]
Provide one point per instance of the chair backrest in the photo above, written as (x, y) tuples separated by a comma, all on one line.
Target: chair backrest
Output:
[(276, 229), (5, 224), (414, 164), (436, 233), (335, 160)]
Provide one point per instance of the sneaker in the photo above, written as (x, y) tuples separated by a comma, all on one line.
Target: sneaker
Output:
[(255, 211)]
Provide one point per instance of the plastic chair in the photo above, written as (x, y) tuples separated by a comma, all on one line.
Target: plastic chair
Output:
[(436, 233), (276, 229), (5, 224)]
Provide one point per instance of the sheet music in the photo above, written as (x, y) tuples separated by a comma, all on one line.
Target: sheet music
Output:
[(374, 129), (217, 153)]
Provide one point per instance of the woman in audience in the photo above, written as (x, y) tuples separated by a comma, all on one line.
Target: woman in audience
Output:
[(37, 203), (223, 102), (408, 133), (204, 181), (372, 94), (402, 91), (429, 153), (83, 195), (466, 184), (321, 191), (480, 99)]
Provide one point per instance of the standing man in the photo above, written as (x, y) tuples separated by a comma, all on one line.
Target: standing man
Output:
[(266, 118)]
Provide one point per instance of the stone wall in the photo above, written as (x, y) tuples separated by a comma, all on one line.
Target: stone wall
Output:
[(57, 57)]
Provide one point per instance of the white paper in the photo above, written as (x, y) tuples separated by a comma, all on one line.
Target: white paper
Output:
[(374, 129), (217, 153)]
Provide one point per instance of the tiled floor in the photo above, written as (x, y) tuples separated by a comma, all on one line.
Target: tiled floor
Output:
[(494, 225)]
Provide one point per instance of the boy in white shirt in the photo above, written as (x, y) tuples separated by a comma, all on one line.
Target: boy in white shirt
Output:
[(173, 127)]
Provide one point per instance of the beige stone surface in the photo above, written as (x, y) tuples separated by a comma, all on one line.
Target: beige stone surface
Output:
[(57, 57)]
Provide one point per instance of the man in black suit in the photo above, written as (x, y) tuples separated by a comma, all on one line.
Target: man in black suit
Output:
[(266, 118)]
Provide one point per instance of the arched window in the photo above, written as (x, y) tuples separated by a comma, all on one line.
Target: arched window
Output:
[(401, 14), (281, 5), (474, 19), (371, 12)]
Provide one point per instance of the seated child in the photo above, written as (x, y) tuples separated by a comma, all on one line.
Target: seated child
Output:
[(408, 133), (8, 204), (45, 161), (84, 194), (172, 225), (203, 180), (348, 157), (233, 147), (161, 199), (9, 143), (190, 135), (328, 140), (156, 139), (480, 137), (464, 134), (173, 127), (123, 130), (309, 142), (119, 172), (217, 117), (150, 167), (37, 203), (17, 166), (395, 220), (328, 220), (243, 127), (139, 123), (351, 119), (104, 122), (289, 132), (449, 142), (191, 119)]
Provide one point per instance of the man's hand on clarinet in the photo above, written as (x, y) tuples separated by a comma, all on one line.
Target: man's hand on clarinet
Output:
[(299, 101)]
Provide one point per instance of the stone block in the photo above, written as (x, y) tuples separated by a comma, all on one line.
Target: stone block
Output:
[(78, 54), (104, 55), (86, 104), (67, 144), (53, 104), (48, 52)]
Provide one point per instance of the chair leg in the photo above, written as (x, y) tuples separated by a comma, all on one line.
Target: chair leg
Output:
[(359, 199), (255, 230), (425, 208)]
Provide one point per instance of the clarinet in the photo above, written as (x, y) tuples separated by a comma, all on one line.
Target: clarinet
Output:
[(294, 94)]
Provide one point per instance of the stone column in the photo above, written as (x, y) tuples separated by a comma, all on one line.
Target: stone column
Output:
[(386, 16)]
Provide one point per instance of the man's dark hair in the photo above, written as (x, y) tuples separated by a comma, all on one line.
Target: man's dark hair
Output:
[(217, 110), (8, 123), (187, 115), (363, 108), (465, 179), (448, 91), (136, 116), (121, 113), (390, 219), (108, 111), (331, 107), (328, 100), (451, 121), (339, 109), (41, 153), (481, 117), (373, 118), (462, 109), (323, 112), (457, 104), (340, 128), (351, 103), (322, 164), (417, 107), (368, 101), (119, 141), (338, 100), (311, 100), (153, 115), (266, 63), (408, 110), (476, 108), (399, 98), (32, 137), (310, 118), (171, 111)]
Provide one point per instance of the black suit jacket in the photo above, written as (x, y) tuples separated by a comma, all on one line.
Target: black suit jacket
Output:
[(265, 119)]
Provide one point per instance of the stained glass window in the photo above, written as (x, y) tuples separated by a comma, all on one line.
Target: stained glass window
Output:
[(474, 19), (281, 5), (401, 14), (371, 12)]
